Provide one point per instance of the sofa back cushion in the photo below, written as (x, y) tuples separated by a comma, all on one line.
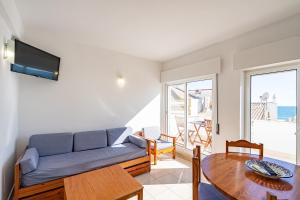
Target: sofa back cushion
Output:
[(90, 140), (118, 135), (51, 144)]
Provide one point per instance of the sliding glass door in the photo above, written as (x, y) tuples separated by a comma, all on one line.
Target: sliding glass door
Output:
[(176, 112), (272, 118), (190, 112)]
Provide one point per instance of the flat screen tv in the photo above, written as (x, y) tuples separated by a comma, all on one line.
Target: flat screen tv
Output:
[(33, 61)]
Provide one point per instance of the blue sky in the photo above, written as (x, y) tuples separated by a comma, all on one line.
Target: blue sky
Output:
[(282, 84), (196, 85)]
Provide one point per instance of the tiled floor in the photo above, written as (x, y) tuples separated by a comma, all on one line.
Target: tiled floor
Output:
[(168, 180)]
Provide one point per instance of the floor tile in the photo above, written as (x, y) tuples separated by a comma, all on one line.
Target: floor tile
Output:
[(168, 180), (167, 195)]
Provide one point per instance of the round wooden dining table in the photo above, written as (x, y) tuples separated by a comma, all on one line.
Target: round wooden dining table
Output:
[(229, 174)]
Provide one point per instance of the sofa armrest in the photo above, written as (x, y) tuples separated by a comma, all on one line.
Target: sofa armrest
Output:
[(138, 141), (29, 161), (17, 177)]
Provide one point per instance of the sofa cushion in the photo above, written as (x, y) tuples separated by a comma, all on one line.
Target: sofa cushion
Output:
[(62, 165), (29, 161), (51, 144), (209, 192), (118, 135), (138, 141), (90, 140)]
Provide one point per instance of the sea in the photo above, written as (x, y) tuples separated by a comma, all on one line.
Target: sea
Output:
[(286, 112)]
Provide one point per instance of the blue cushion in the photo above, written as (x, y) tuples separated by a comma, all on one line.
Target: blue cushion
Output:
[(152, 132), (62, 165), (51, 144), (209, 192), (162, 144), (90, 140), (118, 135), (138, 141), (29, 160)]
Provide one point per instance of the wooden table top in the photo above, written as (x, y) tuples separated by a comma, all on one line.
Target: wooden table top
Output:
[(228, 173), (106, 184)]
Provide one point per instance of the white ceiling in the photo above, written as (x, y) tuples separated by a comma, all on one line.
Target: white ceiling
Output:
[(154, 29)]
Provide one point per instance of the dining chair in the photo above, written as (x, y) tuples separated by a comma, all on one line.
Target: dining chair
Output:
[(202, 191), (245, 144), (159, 142), (271, 196)]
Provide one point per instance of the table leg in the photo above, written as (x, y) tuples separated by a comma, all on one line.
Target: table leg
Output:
[(140, 195)]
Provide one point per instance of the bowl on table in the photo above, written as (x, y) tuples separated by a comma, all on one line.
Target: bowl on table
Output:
[(268, 169)]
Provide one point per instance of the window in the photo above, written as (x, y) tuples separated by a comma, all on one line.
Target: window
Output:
[(272, 101), (190, 110)]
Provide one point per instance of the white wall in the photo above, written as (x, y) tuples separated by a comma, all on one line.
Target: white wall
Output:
[(8, 118), (9, 25), (86, 96), (229, 82)]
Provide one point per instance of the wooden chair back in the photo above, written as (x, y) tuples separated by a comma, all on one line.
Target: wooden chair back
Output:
[(271, 197), (179, 123), (245, 144), (208, 126), (196, 165)]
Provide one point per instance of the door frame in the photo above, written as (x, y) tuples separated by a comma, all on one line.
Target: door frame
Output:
[(247, 100), (212, 77)]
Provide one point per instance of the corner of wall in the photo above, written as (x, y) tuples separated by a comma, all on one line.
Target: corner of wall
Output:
[(10, 25)]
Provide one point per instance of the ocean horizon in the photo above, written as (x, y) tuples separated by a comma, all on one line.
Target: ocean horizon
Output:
[(286, 112)]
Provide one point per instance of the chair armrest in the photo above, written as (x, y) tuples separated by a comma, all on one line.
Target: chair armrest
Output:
[(151, 140), (165, 135), (172, 137)]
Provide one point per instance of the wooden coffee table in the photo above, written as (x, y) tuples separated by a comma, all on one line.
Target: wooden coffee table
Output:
[(106, 184)]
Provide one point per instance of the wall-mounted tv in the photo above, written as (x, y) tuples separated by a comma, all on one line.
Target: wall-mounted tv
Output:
[(33, 61)]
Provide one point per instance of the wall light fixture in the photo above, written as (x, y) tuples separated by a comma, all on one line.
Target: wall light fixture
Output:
[(121, 81), (9, 51)]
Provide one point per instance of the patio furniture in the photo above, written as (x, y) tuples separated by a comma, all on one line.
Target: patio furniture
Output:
[(245, 144), (202, 190), (107, 183), (207, 125), (159, 142), (229, 174), (197, 125), (208, 130), (180, 128)]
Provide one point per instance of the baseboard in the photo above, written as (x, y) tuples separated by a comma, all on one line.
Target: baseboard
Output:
[(9, 197)]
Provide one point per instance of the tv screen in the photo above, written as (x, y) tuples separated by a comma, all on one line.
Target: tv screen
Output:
[(33, 61)]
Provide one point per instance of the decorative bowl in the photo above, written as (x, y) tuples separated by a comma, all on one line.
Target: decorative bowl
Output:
[(261, 167)]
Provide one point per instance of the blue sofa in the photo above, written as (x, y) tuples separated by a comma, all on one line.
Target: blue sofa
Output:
[(51, 157)]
